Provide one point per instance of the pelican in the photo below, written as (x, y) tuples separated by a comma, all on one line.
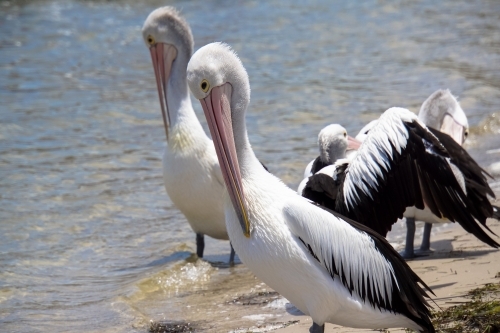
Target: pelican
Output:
[(440, 111), (330, 267), (191, 171), (329, 186), (333, 143)]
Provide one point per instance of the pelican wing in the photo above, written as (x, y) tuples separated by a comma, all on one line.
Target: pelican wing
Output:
[(402, 164), (323, 186), (364, 261), (316, 166), (474, 177), (496, 212)]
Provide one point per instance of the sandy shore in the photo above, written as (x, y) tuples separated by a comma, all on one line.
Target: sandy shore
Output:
[(458, 264)]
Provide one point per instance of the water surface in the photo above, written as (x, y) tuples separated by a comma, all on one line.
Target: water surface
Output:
[(89, 240)]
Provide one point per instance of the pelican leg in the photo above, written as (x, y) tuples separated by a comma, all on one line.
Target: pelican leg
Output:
[(408, 252), (200, 245), (231, 256), (426, 239), (315, 328)]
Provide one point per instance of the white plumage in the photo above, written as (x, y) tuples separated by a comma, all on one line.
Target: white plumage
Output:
[(191, 171), (330, 268), (374, 156)]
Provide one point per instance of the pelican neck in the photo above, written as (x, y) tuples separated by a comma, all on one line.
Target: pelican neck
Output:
[(248, 162), (180, 108)]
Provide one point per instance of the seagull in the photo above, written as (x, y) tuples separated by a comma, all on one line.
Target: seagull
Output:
[(329, 266), (191, 171), (411, 177)]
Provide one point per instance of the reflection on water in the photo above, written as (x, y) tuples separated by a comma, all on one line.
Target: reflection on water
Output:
[(89, 240)]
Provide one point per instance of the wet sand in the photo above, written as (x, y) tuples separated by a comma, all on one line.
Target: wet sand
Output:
[(459, 263)]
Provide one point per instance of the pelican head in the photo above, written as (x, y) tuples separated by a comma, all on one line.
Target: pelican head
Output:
[(219, 81), (443, 112), (168, 36), (333, 142)]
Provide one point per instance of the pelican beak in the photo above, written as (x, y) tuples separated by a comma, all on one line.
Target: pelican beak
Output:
[(352, 143), (163, 55), (453, 129), (217, 110)]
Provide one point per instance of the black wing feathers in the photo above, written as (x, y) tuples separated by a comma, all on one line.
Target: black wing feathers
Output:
[(407, 295), (318, 165), (419, 174), (476, 183), (323, 189), (496, 212)]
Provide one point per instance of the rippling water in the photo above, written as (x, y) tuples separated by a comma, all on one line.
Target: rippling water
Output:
[(89, 240)]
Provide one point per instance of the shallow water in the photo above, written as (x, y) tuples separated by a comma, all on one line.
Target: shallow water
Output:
[(89, 240)]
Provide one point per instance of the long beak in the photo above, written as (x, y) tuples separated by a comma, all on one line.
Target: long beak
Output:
[(453, 129), (217, 110), (163, 55), (353, 143)]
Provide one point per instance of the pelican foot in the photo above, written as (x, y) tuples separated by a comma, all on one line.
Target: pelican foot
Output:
[(407, 254), (200, 245), (231, 256), (315, 328), (423, 252)]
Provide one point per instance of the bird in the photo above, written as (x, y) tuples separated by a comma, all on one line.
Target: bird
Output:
[(191, 171), (403, 184), (329, 266), (440, 111), (333, 144)]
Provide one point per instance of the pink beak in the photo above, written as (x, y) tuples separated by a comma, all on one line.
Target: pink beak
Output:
[(353, 143), (217, 110), (451, 127), (163, 55)]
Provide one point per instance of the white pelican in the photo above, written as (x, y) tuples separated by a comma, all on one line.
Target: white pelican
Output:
[(333, 143), (191, 171), (330, 267), (384, 200)]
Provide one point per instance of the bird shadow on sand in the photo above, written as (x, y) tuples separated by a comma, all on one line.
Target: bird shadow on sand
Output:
[(443, 249), (442, 285)]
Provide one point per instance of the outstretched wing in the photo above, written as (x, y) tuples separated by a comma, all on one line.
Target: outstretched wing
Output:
[(364, 261), (402, 164), (475, 177)]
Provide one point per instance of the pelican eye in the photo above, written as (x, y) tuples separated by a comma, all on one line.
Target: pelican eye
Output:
[(204, 85), (151, 40), (345, 134), (466, 134)]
